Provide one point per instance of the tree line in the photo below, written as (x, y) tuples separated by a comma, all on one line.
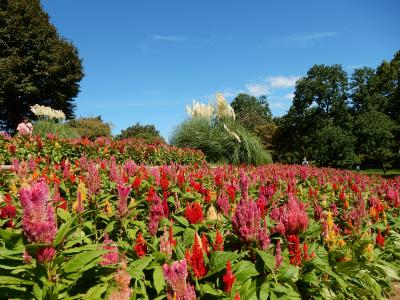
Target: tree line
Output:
[(335, 119)]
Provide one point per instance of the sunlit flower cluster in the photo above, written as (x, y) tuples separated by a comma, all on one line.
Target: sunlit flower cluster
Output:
[(201, 110), (221, 109), (47, 112)]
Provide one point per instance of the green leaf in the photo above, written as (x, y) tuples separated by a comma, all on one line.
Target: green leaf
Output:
[(96, 292), (188, 237), (310, 277), (139, 265), (208, 289), (244, 270), (268, 259), (84, 259), (62, 231), (181, 220), (219, 259), (158, 279), (9, 280), (289, 273), (13, 239)]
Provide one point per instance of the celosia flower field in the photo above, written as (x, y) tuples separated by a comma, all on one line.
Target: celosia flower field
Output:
[(104, 228)]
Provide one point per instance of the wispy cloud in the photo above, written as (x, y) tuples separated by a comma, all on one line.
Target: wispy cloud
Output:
[(300, 40), (352, 67), (270, 84), (170, 38), (131, 104)]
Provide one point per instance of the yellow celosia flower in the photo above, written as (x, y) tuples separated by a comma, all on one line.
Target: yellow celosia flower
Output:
[(108, 208), (212, 214)]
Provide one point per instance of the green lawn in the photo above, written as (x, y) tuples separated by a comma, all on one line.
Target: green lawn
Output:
[(389, 173)]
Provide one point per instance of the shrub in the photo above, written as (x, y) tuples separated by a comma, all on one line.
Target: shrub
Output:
[(220, 141), (91, 127), (147, 132)]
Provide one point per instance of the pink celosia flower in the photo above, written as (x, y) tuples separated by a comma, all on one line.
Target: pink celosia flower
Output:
[(156, 214), (112, 256), (122, 279), (176, 275), (123, 193), (244, 184), (223, 204), (278, 255), (93, 180), (45, 255), (38, 219)]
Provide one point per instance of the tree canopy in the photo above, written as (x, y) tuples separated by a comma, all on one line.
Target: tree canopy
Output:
[(37, 66), (337, 121), (146, 132)]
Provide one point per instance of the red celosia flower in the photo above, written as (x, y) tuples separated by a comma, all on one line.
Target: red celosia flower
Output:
[(194, 213), (140, 246), (204, 243), (380, 240), (294, 250), (171, 236), (136, 183), (219, 242), (237, 296), (231, 190), (228, 278), (181, 178), (164, 182), (305, 251), (150, 194), (196, 259), (8, 211)]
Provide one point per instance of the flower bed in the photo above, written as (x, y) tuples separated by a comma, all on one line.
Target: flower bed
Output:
[(55, 150), (97, 229)]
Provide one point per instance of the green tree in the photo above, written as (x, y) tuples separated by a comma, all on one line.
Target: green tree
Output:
[(250, 111), (147, 132), (320, 106), (375, 139), (37, 66), (90, 127), (334, 147)]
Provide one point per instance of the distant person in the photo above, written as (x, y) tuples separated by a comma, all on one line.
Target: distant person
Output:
[(25, 127), (358, 168), (305, 162)]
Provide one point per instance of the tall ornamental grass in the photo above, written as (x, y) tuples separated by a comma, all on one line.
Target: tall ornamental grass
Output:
[(212, 129)]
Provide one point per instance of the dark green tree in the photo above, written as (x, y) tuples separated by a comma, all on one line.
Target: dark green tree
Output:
[(37, 66), (375, 139), (250, 111), (147, 132)]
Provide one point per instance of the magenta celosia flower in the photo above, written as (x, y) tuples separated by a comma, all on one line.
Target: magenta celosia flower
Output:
[(45, 255), (112, 256), (278, 255), (123, 193), (223, 204), (165, 244), (38, 220), (246, 220), (156, 214), (176, 275), (246, 223), (244, 184), (293, 216), (93, 180)]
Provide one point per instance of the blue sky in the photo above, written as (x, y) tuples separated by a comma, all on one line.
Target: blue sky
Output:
[(144, 61)]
